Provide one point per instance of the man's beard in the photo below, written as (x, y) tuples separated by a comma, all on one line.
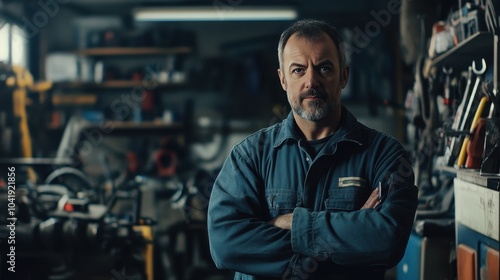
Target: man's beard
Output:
[(317, 110)]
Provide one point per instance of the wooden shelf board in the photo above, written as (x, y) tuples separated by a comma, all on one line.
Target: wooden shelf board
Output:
[(115, 51), (112, 84), (74, 99)]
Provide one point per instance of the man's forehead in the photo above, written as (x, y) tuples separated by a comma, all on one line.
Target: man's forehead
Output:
[(317, 45), (320, 36)]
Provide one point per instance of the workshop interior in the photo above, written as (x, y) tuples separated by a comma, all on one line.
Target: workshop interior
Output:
[(117, 115)]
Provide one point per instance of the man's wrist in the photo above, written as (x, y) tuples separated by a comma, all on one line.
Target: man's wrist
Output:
[(283, 221)]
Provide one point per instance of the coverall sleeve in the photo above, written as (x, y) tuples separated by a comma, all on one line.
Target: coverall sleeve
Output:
[(375, 238), (240, 240)]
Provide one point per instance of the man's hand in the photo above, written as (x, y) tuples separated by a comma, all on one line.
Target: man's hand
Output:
[(283, 221), (372, 201)]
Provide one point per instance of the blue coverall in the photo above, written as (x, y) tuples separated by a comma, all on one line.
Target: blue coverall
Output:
[(270, 173)]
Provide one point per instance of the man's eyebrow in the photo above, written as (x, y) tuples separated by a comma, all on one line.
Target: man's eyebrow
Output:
[(325, 62), (295, 64)]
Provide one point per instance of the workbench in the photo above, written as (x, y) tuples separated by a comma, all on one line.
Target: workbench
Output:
[(477, 219)]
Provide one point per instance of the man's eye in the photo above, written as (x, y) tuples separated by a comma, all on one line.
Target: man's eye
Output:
[(325, 69), (298, 70)]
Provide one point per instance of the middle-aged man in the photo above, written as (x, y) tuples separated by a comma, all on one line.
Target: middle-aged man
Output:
[(301, 199)]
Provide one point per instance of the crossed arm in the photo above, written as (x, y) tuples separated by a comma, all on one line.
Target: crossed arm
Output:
[(285, 221), (240, 241)]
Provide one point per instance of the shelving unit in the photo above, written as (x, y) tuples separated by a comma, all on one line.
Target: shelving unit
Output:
[(125, 51), (476, 196), (482, 45), (107, 73)]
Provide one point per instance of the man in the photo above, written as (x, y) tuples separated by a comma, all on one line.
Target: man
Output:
[(300, 199)]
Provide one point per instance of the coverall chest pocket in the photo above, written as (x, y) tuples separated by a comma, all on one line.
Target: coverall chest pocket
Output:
[(346, 199), (281, 201)]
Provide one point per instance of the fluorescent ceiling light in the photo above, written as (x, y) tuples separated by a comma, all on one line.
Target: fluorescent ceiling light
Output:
[(215, 13)]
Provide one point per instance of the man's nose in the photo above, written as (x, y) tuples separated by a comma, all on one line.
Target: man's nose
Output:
[(311, 78)]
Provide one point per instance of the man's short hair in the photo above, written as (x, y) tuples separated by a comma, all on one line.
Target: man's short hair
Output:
[(312, 30)]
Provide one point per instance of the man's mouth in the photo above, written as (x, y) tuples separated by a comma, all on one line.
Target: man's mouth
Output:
[(313, 96)]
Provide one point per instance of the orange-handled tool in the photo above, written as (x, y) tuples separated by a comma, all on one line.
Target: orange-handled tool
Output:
[(463, 152)]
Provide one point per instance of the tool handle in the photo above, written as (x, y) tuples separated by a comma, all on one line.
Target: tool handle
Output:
[(475, 148), (463, 152)]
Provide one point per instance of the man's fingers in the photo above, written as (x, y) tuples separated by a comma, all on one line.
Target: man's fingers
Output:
[(372, 201), (283, 221)]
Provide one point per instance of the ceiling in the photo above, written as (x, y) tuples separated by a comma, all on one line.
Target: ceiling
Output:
[(342, 12)]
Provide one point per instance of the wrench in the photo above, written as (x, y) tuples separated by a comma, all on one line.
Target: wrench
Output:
[(457, 123), (451, 151), (475, 90), (463, 152)]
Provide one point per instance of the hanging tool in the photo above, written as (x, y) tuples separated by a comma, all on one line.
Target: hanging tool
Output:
[(459, 122), (463, 152), (495, 103), (475, 147), (480, 108), (468, 114), (453, 149)]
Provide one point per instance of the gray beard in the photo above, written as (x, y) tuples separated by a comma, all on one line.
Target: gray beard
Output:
[(318, 110)]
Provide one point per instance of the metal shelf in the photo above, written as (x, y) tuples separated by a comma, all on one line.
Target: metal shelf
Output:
[(462, 55)]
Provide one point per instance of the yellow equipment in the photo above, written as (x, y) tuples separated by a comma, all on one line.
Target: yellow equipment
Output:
[(22, 82)]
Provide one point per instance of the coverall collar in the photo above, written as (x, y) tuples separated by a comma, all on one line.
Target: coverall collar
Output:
[(347, 129)]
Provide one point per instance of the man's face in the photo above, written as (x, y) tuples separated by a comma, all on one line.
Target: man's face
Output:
[(311, 77)]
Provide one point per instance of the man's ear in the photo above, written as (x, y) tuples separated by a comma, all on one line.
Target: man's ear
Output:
[(282, 79), (345, 76)]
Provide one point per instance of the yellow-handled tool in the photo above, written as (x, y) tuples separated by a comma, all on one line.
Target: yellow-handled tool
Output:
[(463, 152)]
